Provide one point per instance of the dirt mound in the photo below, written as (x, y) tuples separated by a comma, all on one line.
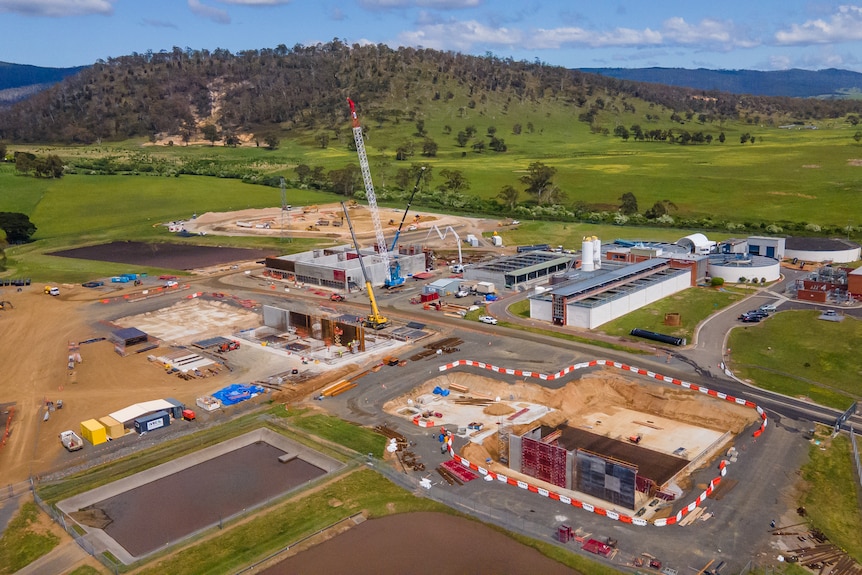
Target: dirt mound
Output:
[(499, 409), (580, 400), (92, 517)]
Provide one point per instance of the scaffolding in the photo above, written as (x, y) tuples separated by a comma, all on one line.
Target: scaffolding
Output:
[(503, 432)]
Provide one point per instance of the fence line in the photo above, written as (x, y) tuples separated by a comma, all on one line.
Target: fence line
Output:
[(856, 455), (15, 489)]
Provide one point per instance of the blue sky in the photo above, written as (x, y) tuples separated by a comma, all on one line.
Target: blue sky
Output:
[(731, 34)]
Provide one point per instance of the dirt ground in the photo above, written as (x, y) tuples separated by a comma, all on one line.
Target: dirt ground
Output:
[(296, 222), (173, 256), (34, 350)]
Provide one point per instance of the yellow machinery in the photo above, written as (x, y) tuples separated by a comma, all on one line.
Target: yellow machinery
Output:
[(375, 320)]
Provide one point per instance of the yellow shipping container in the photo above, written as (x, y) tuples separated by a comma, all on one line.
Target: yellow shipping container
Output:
[(114, 428), (94, 432)]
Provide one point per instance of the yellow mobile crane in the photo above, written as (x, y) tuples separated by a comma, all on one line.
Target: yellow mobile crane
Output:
[(375, 320)]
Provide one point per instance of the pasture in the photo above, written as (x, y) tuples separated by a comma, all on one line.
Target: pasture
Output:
[(796, 354), (788, 178)]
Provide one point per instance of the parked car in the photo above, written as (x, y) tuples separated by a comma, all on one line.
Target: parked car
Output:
[(768, 308), (488, 319), (744, 318), (829, 312)]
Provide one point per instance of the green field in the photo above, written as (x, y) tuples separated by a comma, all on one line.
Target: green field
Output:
[(796, 354), (24, 540), (693, 306), (795, 180), (830, 497)]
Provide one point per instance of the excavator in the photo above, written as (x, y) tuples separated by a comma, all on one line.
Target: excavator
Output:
[(375, 320)]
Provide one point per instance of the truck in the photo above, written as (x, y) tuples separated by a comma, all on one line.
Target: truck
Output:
[(484, 288), (71, 440), (52, 290)]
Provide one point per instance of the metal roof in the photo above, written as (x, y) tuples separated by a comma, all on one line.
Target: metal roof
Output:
[(526, 262), (602, 281)]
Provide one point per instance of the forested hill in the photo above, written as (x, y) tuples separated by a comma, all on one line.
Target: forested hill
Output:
[(179, 92), (795, 83)]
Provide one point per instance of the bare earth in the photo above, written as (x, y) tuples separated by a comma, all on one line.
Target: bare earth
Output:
[(34, 350)]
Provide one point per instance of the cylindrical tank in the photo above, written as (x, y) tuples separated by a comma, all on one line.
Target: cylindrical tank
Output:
[(597, 252), (587, 263)]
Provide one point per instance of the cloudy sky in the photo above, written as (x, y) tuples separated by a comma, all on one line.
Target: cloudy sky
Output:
[(731, 34)]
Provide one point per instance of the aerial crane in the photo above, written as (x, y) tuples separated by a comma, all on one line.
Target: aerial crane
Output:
[(375, 320), (369, 186), (395, 278)]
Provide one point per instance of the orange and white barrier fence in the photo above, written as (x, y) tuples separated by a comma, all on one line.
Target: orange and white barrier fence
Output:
[(610, 514)]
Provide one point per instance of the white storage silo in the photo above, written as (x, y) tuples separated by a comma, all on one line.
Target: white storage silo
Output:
[(597, 252), (587, 261)]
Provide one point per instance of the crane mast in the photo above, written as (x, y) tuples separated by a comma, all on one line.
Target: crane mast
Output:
[(375, 320), (382, 250)]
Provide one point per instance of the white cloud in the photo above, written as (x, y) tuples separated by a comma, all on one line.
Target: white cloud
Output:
[(57, 8), (708, 34), (215, 14), (675, 31), (459, 36), (843, 26), (255, 2), (557, 37), (449, 4), (433, 4)]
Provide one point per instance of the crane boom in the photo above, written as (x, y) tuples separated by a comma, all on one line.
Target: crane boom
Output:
[(369, 185), (375, 320), (407, 209)]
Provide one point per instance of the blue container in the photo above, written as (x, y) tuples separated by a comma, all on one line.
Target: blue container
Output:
[(152, 422)]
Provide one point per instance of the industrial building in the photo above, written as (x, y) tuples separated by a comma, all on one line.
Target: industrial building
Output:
[(830, 284), (614, 280), (339, 268), (520, 270), (602, 297), (822, 250)]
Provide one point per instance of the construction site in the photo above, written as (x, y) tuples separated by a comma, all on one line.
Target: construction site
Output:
[(646, 439)]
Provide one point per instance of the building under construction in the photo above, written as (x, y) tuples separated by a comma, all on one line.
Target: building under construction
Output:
[(597, 465), (338, 267)]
